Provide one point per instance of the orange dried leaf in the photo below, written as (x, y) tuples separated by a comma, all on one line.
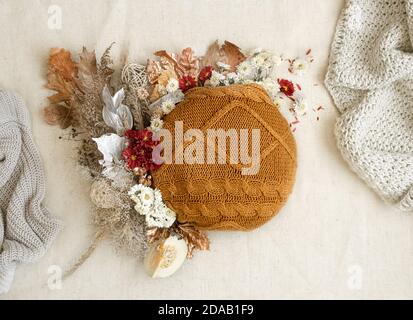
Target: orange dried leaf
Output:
[(233, 55), (60, 62), (64, 89)]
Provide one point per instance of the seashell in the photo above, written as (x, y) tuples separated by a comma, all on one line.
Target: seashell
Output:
[(165, 257)]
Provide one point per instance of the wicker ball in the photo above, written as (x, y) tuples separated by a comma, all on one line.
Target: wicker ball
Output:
[(219, 195)]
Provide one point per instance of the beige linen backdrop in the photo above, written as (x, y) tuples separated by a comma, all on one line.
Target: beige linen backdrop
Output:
[(334, 239)]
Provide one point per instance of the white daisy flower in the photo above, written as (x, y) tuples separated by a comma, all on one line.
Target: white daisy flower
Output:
[(156, 124), (173, 85), (146, 197), (167, 106)]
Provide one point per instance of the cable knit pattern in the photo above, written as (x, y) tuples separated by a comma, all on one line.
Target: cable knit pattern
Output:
[(370, 78), (26, 227), (218, 196)]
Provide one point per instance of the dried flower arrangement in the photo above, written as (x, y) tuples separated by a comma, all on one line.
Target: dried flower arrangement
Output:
[(117, 135)]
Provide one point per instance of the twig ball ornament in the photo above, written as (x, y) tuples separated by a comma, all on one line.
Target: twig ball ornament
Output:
[(220, 195), (134, 75)]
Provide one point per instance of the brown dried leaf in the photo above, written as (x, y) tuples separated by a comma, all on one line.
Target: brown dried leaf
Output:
[(155, 234), (195, 238), (87, 62), (87, 70), (213, 55), (228, 53), (58, 115), (60, 62), (233, 55), (65, 90)]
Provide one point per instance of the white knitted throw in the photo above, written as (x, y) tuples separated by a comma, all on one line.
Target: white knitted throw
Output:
[(370, 78), (26, 227)]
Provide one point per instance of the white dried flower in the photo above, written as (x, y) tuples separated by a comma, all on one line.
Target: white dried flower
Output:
[(300, 66), (259, 60), (156, 124), (150, 204), (232, 78), (173, 85), (216, 79), (271, 86), (167, 106), (246, 70)]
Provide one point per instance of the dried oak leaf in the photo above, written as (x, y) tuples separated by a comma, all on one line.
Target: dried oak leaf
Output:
[(194, 238), (60, 62), (228, 53), (57, 115), (64, 89), (60, 78), (233, 54)]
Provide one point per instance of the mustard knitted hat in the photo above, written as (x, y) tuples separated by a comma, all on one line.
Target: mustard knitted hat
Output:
[(220, 196)]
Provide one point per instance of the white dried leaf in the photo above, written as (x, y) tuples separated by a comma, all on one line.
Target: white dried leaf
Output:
[(111, 147), (115, 114)]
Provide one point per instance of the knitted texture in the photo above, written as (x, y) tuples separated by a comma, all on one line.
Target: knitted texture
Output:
[(26, 227), (370, 78), (219, 196)]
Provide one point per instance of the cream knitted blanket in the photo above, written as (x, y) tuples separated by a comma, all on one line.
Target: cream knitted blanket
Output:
[(370, 78), (26, 227)]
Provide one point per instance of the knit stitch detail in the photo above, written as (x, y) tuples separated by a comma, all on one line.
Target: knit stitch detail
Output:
[(218, 196), (26, 227), (370, 77)]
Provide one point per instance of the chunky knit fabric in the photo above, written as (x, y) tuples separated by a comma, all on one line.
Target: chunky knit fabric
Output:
[(26, 227), (370, 78), (219, 196)]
